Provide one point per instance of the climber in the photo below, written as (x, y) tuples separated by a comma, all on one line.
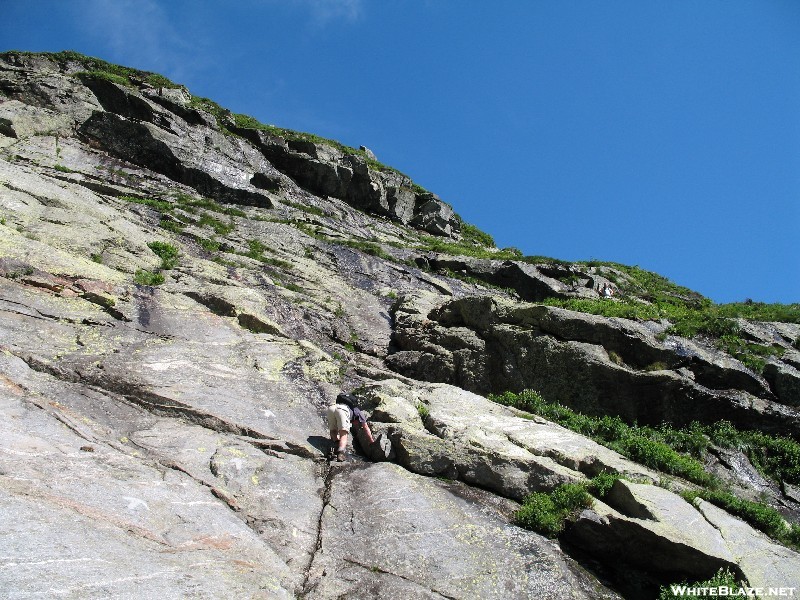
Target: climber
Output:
[(345, 413)]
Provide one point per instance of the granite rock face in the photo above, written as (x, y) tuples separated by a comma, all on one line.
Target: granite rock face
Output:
[(162, 422), (594, 364)]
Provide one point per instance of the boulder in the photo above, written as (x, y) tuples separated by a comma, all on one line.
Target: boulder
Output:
[(650, 527)]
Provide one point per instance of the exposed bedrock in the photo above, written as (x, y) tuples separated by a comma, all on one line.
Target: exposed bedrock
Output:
[(594, 364)]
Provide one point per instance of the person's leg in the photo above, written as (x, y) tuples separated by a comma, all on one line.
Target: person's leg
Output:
[(333, 429), (342, 440)]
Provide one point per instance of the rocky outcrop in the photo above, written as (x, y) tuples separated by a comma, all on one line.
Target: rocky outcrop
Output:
[(441, 430), (674, 537), (159, 129), (325, 170), (593, 364)]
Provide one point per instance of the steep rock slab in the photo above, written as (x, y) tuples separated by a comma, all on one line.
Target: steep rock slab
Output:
[(90, 520), (175, 358), (387, 533), (216, 171), (764, 563)]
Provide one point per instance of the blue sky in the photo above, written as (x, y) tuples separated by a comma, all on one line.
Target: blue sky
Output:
[(651, 133)]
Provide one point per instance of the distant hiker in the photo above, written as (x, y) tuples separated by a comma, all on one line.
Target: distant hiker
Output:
[(345, 414)]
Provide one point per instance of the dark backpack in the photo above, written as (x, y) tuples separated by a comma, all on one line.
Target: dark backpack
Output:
[(347, 399)]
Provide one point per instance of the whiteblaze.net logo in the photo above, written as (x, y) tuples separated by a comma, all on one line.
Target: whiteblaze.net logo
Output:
[(732, 592)]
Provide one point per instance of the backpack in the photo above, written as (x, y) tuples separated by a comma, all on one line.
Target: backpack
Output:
[(347, 399)]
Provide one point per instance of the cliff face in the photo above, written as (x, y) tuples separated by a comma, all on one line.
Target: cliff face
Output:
[(184, 291)]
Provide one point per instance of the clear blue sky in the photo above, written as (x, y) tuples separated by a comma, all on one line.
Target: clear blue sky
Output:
[(652, 133)]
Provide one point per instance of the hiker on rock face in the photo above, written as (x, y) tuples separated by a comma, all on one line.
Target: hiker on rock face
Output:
[(340, 417)]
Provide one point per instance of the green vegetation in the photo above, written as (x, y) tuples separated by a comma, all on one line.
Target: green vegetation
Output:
[(144, 277), (464, 248), (546, 513), (689, 313), (723, 578), (470, 234), (247, 122), (166, 252), (750, 354), (367, 248), (423, 411), (210, 245), (774, 456), (256, 252), (95, 67), (306, 209), (185, 200), (760, 516), (96, 257), (171, 225), (169, 260), (676, 451), (644, 445), (215, 224), (601, 484), (158, 205), (21, 273), (63, 169)]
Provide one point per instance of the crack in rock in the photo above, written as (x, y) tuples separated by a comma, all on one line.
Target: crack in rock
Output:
[(377, 569), (307, 587)]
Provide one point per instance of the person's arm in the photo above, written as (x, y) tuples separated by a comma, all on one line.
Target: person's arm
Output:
[(368, 431)]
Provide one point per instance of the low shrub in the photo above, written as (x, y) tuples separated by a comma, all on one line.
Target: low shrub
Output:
[(642, 444), (158, 205), (166, 252), (144, 277), (601, 484), (546, 513)]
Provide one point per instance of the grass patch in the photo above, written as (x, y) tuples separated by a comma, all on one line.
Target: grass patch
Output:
[(215, 224), (470, 234), (367, 248), (99, 68), (546, 513), (209, 245), (187, 200), (690, 314), (676, 452), (760, 516), (644, 445), (170, 225), (159, 205), (722, 578), (63, 169), (166, 252), (144, 277), (313, 210), (256, 251)]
